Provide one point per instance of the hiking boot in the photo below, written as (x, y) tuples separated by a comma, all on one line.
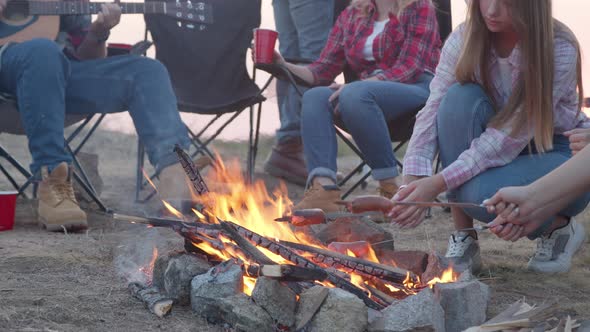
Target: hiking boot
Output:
[(320, 197), (58, 207), (555, 251), (387, 190), (286, 161), (463, 252)]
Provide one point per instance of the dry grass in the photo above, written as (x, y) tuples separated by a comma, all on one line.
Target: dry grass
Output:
[(69, 283)]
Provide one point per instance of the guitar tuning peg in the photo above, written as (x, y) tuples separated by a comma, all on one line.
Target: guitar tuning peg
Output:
[(190, 26), (179, 24)]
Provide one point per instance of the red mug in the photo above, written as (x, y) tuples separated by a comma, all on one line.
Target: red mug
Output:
[(7, 209), (264, 45)]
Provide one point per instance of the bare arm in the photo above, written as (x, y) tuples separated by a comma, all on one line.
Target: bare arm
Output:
[(545, 196), (94, 44)]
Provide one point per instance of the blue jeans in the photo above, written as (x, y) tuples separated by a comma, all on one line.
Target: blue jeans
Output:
[(303, 27), (366, 108), (463, 116), (48, 85)]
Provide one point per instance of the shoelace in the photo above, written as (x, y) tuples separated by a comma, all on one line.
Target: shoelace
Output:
[(457, 248), (544, 247), (64, 191)]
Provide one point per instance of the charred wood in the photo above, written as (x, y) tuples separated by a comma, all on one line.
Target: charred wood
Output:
[(156, 303)]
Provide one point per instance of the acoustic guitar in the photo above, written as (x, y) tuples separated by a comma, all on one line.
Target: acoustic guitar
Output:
[(25, 20)]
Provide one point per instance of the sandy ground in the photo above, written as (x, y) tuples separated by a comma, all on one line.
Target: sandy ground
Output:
[(69, 282)]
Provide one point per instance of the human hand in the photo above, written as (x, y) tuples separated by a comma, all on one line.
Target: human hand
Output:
[(108, 17), (513, 205), (407, 179), (579, 138), (421, 190), (334, 97)]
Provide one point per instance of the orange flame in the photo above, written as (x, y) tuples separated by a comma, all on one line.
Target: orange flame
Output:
[(172, 210), (447, 276), (148, 270)]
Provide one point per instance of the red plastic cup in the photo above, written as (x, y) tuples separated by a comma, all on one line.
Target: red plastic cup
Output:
[(264, 45), (7, 209)]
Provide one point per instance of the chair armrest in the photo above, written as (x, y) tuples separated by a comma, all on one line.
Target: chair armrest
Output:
[(282, 73), (140, 47), (587, 102)]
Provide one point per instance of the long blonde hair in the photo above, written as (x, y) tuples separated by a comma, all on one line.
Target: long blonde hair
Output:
[(533, 94), (364, 6)]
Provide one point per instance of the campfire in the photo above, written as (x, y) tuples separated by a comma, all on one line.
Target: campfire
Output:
[(233, 229)]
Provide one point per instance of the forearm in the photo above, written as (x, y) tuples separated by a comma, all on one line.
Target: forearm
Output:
[(302, 72), (93, 46), (569, 180)]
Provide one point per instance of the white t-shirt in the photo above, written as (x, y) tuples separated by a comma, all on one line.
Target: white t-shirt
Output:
[(378, 28), (506, 75)]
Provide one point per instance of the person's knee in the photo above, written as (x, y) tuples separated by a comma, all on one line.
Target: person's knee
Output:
[(151, 68), (462, 98), (44, 52), (313, 101), (353, 95)]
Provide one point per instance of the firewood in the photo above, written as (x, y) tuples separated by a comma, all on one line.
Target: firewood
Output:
[(155, 302), (244, 244), (191, 170), (286, 272), (385, 272), (518, 315), (291, 256)]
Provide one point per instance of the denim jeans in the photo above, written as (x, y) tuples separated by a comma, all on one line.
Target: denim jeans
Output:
[(303, 27), (48, 85), (463, 116), (366, 107)]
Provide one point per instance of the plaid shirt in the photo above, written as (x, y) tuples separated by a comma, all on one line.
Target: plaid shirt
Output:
[(495, 147), (409, 45)]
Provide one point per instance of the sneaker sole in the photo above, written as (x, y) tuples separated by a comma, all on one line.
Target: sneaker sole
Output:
[(280, 173), (568, 262)]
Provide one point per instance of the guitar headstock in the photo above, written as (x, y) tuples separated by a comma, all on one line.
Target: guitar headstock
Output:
[(197, 12)]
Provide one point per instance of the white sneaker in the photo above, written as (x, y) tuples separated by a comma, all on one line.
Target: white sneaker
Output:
[(463, 252), (555, 251)]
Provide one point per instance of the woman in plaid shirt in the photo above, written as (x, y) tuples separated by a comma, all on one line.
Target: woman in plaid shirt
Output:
[(393, 47), (507, 89)]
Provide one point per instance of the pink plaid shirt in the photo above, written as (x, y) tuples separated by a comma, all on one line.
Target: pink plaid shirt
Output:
[(408, 46), (495, 147)]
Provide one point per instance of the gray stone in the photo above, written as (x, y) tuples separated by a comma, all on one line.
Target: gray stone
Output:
[(222, 281), (584, 326), (310, 302), (411, 313), (278, 300), (341, 311), (461, 305), (173, 274), (244, 315)]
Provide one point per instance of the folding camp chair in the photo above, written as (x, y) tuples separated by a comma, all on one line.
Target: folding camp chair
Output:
[(400, 138), (207, 66)]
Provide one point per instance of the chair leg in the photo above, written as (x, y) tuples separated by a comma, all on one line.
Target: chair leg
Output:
[(89, 134), (84, 182), (356, 185)]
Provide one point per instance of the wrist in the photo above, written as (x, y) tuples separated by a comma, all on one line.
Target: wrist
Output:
[(99, 35), (439, 183)]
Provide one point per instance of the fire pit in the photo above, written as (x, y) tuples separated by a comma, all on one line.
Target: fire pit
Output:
[(243, 269)]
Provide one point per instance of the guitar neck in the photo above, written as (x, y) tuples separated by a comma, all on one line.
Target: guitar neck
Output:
[(88, 8)]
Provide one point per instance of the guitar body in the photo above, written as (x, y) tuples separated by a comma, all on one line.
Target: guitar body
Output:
[(16, 25)]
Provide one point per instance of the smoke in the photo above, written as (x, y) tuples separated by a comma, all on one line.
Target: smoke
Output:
[(134, 257)]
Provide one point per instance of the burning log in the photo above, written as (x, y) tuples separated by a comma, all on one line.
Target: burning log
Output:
[(286, 272), (191, 171), (334, 259), (244, 244), (156, 303), (177, 225), (291, 256)]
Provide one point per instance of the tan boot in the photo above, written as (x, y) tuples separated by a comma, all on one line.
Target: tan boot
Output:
[(286, 161), (387, 190), (320, 197), (58, 208)]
